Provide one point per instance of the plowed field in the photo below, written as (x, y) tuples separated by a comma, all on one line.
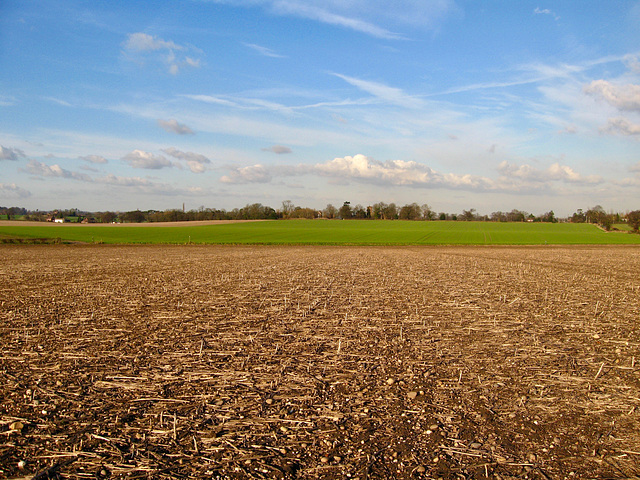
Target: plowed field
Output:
[(319, 362)]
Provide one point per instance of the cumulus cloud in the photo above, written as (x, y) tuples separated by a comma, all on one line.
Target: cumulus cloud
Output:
[(43, 170), (196, 162), (93, 159), (398, 172), (621, 126), (172, 126), (141, 159), (555, 172), (252, 174), (11, 190), (623, 97), (11, 153), (360, 168), (141, 46), (279, 149)]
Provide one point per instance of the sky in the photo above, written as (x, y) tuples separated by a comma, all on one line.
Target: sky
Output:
[(492, 105)]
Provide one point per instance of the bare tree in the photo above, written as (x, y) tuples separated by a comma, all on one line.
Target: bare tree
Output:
[(330, 211), (287, 208)]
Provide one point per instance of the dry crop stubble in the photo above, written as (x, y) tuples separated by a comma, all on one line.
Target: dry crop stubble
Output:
[(320, 362)]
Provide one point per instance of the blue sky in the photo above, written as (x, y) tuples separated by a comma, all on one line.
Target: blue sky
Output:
[(112, 105)]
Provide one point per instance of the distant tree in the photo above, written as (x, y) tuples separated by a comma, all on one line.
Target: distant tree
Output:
[(134, 216), (498, 217), (410, 212), (345, 211), (330, 211), (516, 216), (359, 212), (549, 217), (427, 213), (300, 212), (468, 215), (578, 217), (633, 220), (287, 208), (599, 216), (442, 216), (377, 210), (390, 212), (106, 217)]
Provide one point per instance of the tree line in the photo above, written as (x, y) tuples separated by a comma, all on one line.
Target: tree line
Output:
[(288, 210)]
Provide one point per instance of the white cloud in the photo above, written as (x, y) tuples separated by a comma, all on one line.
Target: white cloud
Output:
[(278, 149), (143, 42), (555, 172), (545, 11), (397, 172), (93, 159), (112, 179), (621, 126), (623, 97), (192, 62), (172, 126), (267, 52), (11, 190), (323, 15), (141, 159), (383, 92), (635, 168), (196, 162), (252, 174), (142, 46), (363, 16), (11, 153), (391, 173), (43, 170), (6, 101)]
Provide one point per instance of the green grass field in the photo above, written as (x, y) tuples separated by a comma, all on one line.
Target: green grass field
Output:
[(330, 232)]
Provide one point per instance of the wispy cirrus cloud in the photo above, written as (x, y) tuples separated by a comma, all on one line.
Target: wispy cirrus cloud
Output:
[(372, 17), (173, 126), (383, 92), (267, 52), (545, 11)]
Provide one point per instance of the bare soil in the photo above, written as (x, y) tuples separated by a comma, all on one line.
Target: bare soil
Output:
[(319, 362)]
